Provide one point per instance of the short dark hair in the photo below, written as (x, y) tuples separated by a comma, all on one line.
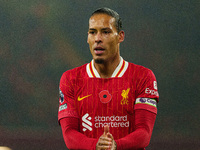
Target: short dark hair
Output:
[(112, 13)]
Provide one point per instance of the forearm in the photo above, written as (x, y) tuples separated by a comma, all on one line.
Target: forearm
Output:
[(140, 138), (137, 140), (73, 138)]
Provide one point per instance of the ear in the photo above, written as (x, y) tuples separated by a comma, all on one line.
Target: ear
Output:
[(121, 36)]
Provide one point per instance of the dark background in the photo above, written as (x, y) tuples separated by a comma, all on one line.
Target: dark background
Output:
[(40, 39)]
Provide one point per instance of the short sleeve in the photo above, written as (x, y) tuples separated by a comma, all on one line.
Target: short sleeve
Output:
[(147, 92), (67, 106)]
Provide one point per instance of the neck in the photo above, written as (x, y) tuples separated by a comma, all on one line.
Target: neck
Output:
[(107, 68)]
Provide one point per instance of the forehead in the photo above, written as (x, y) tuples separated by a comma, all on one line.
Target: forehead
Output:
[(101, 21)]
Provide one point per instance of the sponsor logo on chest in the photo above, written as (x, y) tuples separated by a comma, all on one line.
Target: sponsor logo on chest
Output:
[(101, 121)]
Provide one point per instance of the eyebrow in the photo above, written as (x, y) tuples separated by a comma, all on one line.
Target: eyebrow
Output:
[(106, 28), (101, 29), (92, 29)]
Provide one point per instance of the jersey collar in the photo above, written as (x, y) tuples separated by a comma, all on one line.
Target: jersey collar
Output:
[(119, 71)]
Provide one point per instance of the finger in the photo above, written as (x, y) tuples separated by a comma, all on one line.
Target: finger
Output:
[(109, 135), (106, 129), (104, 147), (105, 138), (105, 143)]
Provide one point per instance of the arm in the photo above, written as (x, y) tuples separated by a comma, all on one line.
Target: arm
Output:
[(68, 117), (73, 138), (140, 138), (145, 112)]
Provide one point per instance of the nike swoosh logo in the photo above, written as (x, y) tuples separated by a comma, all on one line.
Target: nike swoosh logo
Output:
[(81, 98)]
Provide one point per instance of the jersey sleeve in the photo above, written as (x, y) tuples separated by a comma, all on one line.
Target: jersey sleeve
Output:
[(140, 138), (67, 107), (147, 92), (73, 138)]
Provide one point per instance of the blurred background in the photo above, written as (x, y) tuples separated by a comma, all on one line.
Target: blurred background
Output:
[(40, 39)]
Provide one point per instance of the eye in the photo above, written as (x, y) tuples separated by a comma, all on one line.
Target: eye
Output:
[(91, 32), (106, 32)]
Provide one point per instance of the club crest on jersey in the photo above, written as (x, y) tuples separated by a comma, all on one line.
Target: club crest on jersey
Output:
[(105, 96), (124, 94), (61, 98)]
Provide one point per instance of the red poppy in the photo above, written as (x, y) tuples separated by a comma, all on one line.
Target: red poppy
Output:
[(105, 96)]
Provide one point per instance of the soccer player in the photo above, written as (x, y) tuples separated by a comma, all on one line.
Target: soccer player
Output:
[(108, 103)]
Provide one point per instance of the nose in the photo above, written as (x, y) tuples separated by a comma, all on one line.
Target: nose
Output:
[(98, 38)]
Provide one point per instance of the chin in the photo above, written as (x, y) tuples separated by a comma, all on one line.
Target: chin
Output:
[(99, 61)]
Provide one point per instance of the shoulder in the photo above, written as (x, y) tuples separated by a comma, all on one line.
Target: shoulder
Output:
[(138, 68), (139, 72)]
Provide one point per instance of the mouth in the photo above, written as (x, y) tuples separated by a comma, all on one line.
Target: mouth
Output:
[(99, 50)]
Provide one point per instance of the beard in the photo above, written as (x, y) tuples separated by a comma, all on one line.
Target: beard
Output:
[(99, 61)]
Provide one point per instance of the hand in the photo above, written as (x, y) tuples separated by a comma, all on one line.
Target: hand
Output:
[(106, 141), (114, 144)]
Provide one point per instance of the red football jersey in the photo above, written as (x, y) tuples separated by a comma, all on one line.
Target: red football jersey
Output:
[(99, 101)]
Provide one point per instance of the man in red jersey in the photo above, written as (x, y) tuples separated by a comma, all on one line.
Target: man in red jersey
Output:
[(108, 103)]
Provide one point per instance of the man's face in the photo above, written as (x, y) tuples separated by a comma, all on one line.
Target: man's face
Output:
[(103, 38)]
